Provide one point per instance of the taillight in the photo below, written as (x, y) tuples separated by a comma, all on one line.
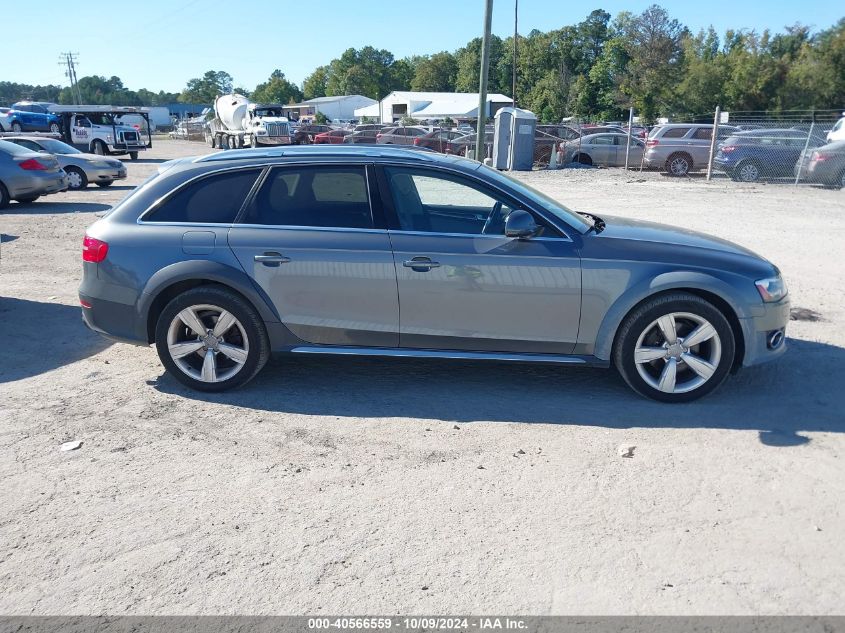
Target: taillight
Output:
[(652, 142), (30, 164), (378, 136), (94, 250), (727, 149), (416, 141), (819, 157)]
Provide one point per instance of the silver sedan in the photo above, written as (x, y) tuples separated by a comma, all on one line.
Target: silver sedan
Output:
[(81, 168), (607, 150)]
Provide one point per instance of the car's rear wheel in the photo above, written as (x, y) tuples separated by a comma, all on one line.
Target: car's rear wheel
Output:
[(16, 127), (54, 128), (100, 148), (76, 178), (679, 164), (210, 339), (747, 171), (4, 196), (675, 348)]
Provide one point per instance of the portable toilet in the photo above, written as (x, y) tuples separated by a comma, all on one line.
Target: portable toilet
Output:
[(513, 139)]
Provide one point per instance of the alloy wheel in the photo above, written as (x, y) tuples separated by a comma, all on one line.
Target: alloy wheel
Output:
[(678, 352), (207, 343), (748, 172), (679, 166)]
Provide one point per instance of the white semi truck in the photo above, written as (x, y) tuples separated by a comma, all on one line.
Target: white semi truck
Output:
[(238, 123)]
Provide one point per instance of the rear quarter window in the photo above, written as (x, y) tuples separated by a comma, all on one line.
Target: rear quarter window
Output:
[(676, 132), (214, 199)]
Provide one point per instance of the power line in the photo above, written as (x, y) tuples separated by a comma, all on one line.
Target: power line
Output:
[(70, 60)]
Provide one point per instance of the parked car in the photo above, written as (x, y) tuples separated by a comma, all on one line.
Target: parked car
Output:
[(607, 150), (25, 175), (223, 259), (466, 143), (601, 129), (5, 119), (824, 165), (332, 137), (680, 148), (750, 156), (305, 133), (400, 135), (366, 137), (367, 127), (438, 140), (80, 168), (548, 137), (32, 116), (837, 132)]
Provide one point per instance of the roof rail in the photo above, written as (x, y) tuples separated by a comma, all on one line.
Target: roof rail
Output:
[(292, 151)]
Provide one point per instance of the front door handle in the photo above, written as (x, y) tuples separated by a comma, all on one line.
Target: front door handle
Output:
[(421, 264), (271, 259)]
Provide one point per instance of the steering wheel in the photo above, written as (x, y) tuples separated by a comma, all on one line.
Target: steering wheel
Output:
[(495, 223)]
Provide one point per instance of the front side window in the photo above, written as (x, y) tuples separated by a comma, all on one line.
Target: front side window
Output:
[(602, 140), (215, 199), (328, 197)]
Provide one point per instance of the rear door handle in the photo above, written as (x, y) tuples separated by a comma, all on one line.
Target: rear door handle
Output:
[(421, 264), (271, 259)]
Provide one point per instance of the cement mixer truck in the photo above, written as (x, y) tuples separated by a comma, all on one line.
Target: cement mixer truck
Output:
[(238, 122)]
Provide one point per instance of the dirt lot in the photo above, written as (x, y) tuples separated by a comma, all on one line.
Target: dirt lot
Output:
[(351, 485)]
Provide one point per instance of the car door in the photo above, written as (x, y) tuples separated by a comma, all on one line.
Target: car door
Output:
[(602, 150), (462, 284), (309, 239)]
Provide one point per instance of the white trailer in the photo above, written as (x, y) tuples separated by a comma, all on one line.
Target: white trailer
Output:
[(238, 123)]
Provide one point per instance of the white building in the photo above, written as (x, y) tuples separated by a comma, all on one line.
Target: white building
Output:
[(432, 105), (335, 108)]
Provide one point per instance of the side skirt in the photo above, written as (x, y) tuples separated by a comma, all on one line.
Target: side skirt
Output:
[(555, 359)]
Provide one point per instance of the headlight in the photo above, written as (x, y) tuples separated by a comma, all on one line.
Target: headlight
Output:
[(102, 163), (772, 289)]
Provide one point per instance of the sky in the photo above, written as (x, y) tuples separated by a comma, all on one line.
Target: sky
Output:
[(161, 44)]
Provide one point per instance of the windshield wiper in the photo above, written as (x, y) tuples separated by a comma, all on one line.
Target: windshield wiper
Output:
[(598, 223)]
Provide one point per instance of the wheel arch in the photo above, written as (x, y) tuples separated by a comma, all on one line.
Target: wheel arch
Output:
[(177, 278), (707, 287)]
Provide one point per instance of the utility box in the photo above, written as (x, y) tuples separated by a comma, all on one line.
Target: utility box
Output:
[(513, 139)]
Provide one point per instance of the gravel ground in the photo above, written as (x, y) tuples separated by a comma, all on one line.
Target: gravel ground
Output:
[(348, 485)]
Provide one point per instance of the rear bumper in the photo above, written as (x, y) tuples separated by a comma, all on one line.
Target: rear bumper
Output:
[(36, 184), (115, 320), (759, 332)]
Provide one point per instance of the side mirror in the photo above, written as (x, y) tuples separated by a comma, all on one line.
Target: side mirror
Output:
[(521, 224)]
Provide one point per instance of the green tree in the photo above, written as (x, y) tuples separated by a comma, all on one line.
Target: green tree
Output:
[(207, 88), (277, 89), (436, 73), (315, 84)]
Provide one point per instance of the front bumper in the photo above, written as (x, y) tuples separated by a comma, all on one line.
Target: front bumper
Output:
[(105, 174), (759, 330), (272, 140)]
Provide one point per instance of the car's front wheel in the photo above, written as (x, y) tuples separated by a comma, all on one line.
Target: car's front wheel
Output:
[(76, 178), (210, 339), (16, 127), (54, 128), (675, 348)]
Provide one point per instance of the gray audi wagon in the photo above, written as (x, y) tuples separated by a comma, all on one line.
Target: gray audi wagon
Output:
[(222, 259)]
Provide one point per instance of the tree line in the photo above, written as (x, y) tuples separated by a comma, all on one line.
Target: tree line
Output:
[(595, 69)]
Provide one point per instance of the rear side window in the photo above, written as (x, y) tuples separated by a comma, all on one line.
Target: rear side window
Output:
[(676, 132), (703, 133), (328, 197), (212, 200)]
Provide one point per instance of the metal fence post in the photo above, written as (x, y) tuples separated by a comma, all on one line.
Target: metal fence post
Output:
[(628, 144), (804, 151), (713, 142)]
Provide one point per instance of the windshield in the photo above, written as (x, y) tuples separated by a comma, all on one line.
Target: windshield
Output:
[(550, 204), (268, 112), (57, 147)]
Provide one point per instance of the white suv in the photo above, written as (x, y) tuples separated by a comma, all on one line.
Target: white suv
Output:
[(837, 133)]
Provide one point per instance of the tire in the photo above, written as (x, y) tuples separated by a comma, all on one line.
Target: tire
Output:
[(133, 155), (245, 338), (224, 141), (648, 371), (105, 183), (54, 128), (100, 148), (4, 196), (747, 171), (210, 139), (679, 164), (28, 200), (583, 159), (16, 127), (253, 142), (76, 178)]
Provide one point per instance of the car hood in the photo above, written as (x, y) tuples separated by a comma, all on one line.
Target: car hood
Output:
[(71, 159), (640, 230)]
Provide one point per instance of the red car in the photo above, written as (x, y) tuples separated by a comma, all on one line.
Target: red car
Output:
[(332, 137)]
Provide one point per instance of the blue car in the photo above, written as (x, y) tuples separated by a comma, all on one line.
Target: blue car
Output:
[(32, 116), (752, 155)]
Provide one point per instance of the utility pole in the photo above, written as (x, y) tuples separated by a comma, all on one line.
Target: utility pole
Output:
[(480, 146), (515, 37), (69, 60)]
